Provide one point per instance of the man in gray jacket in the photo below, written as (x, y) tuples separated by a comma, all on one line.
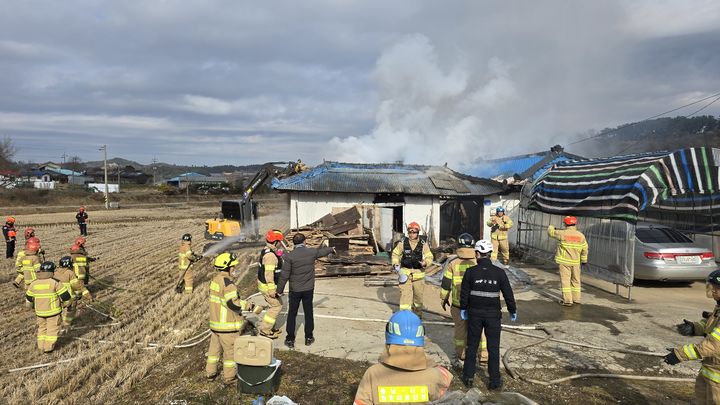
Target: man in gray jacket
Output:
[(299, 268)]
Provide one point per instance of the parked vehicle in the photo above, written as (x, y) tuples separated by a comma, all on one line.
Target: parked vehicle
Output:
[(666, 254)]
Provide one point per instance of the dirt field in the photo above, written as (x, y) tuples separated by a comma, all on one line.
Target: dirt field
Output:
[(135, 276)]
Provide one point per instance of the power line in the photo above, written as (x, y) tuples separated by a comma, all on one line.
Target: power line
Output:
[(686, 116), (653, 117)]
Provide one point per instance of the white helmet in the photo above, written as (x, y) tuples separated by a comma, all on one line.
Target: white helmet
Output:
[(483, 246)]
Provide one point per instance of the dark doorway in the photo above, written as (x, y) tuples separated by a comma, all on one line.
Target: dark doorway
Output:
[(459, 216)]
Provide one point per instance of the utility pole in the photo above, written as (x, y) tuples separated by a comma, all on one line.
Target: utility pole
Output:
[(154, 170), (107, 203), (118, 167)]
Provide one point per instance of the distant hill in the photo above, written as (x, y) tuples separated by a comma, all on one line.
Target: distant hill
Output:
[(167, 170), (651, 135)]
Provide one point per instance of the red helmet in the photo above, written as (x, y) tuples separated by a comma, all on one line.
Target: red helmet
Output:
[(273, 235), (32, 246), (74, 248), (413, 225), (10, 220), (29, 233), (81, 209), (80, 241), (570, 220)]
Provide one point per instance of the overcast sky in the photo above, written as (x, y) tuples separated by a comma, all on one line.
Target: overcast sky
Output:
[(238, 82)]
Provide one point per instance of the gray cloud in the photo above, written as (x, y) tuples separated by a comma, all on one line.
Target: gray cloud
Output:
[(219, 81)]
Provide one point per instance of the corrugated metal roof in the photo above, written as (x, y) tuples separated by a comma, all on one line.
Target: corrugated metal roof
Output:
[(526, 166), (387, 178)]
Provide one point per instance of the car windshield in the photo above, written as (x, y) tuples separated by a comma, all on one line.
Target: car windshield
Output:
[(661, 235)]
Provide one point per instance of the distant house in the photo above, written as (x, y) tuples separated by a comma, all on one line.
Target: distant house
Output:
[(128, 175), (64, 175), (444, 202), (192, 178), (515, 172)]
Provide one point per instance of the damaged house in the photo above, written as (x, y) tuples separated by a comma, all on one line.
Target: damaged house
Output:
[(389, 196)]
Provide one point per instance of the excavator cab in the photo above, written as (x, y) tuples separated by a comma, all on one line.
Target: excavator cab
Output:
[(237, 217)]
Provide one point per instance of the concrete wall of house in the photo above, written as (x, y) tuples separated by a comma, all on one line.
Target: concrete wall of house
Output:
[(308, 207), (511, 203)]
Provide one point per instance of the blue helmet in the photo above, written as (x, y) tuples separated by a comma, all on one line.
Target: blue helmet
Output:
[(499, 209), (714, 277), (405, 329)]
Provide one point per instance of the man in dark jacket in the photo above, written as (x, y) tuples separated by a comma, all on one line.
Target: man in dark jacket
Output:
[(299, 269), (82, 218), (480, 306)]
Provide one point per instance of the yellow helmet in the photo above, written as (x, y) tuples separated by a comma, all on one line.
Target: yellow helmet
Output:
[(225, 261)]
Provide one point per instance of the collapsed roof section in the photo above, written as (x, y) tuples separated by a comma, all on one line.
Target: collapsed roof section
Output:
[(388, 178)]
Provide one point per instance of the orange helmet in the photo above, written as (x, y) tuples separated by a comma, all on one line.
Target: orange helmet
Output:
[(29, 233), (273, 235), (81, 209), (80, 241), (570, 220), (413, 225), (32, 246), (74, 248), (10, 220)]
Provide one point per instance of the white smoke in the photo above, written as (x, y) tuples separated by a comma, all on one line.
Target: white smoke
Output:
[(430, 113)]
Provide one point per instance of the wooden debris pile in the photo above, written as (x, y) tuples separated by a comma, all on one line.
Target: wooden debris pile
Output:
[(355, 245)]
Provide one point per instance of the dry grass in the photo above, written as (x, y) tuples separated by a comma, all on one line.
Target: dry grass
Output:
[(138, 254)]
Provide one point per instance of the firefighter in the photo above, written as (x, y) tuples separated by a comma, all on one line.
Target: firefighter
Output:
[(29, 233), (267, 277), (47, 296), (410, 257), (81, 260), (707, 383), (499, 225), (571, 253), (226, 320), (450, 294), (404, 374), (186, 257), (75, 287), (10, 235), (30, 263), (481, 308), (82, 218)]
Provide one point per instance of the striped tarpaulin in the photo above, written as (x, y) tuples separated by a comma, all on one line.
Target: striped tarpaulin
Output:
[(621, 187)]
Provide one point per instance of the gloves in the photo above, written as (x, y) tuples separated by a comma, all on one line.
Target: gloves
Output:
[(686, 328), (513, 317), (671, 358), (463, 314), (445, 304), (402, 278), (706, 314)]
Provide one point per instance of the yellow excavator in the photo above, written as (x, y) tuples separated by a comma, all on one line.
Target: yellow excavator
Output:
[(238, 219)]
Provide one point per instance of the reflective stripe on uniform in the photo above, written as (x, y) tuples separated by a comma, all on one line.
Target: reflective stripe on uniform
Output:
[(228, 363), (403, 394), (485, 294), (690, 352), (404, 307), (213, 359), (716, 333), (214, 286), (460, 342), (268, 319), (712, 376)]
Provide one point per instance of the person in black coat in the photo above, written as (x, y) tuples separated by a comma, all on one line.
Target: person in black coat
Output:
[(299, 269), (82, 218), (480, 306)]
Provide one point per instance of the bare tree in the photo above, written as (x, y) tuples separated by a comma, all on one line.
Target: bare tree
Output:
[(75, 164), (7, 152)]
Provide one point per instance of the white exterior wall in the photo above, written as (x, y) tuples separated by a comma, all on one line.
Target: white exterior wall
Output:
[(511, 203)]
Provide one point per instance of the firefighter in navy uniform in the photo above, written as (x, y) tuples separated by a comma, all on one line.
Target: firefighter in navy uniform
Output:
[(10, 235), (267, 277), (707, 383), (450, 294), (410, 257), (82, 218), (404, 375), (480, 306)]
